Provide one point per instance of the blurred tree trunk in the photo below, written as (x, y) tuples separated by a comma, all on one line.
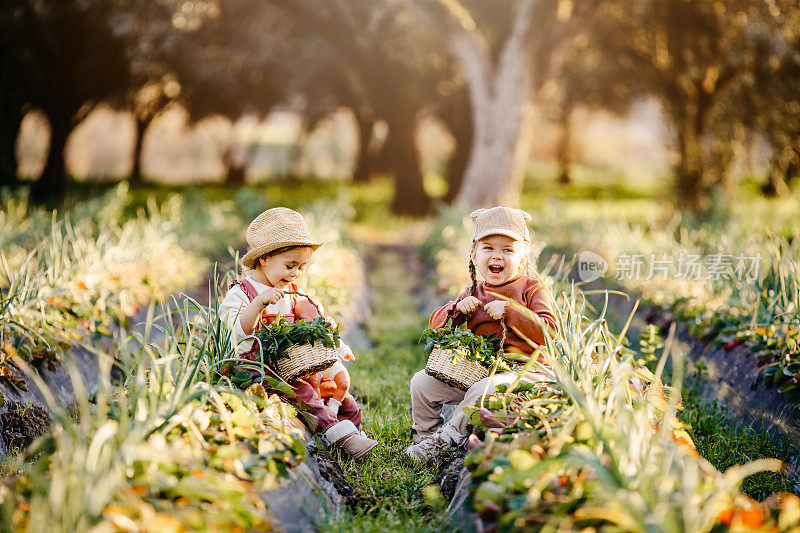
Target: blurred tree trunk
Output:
[(235, 164), (457, 117), (12, 120), (457, 167), (499, 97), (781, 171), (691, 183), (690, 189), (141, 128), (365, 162), (500, 147), (51, 185), (723, 157), (382, 84), (409, 197), (235, 175), (564, 148), (779, 174)]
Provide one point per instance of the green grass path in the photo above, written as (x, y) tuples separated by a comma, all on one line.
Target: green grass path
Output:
[(393, 488)]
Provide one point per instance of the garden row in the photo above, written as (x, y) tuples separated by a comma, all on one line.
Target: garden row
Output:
[(598, 444), (70, 276), (172, 444), (735, 284)]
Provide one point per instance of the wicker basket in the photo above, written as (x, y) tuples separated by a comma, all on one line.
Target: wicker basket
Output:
[(461, 374), (305, 359)]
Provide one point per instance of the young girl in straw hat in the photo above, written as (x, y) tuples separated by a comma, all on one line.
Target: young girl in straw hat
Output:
[(280, 249), (500, 251)]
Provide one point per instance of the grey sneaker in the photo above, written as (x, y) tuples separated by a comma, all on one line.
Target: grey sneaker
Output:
[(427, 449), (416, 438)]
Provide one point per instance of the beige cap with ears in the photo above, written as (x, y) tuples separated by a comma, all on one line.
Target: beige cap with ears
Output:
[(501, 221)]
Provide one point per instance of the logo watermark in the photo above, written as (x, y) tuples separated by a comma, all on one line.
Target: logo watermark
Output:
[(591, 266), (695, 267)]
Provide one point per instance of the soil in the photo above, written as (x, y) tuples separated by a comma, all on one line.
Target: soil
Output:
[(22, 424), (331, 470), (449, 472)]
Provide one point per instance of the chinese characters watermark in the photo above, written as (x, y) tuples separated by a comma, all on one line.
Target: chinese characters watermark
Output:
[(685, 266), (694, 267)]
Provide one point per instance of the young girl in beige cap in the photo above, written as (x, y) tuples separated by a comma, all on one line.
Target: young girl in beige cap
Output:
[(500, 250), (280, 249)]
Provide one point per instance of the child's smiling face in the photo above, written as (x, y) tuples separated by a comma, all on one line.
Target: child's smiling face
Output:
[(285, 267), (498, 258)]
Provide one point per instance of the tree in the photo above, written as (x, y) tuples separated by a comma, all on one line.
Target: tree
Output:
[(584, 77), (772, 95), (51, 61), (692, 56), (501, 74), (366, 38)]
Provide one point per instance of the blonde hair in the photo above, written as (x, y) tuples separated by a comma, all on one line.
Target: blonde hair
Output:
[(257, 263)]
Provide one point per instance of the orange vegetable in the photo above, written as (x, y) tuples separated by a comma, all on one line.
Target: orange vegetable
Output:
[(725, 517), (751, 517)]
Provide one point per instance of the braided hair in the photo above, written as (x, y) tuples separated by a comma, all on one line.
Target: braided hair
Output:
[(473, 275)]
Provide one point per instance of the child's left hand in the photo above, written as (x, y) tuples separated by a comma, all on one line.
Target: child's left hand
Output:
[(495, 309)]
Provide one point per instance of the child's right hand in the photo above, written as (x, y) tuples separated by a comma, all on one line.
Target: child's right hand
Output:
[(270, 296), (468, 305)]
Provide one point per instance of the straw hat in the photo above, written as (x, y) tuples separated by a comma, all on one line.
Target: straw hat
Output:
[(276, 228), (501, 221)]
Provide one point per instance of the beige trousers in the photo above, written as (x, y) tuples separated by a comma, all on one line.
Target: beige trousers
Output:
[(428, 396)]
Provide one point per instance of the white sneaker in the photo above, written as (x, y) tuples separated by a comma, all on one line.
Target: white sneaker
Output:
[(427, 448)]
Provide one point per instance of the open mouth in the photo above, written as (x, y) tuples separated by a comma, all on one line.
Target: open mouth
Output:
[(494, 269)]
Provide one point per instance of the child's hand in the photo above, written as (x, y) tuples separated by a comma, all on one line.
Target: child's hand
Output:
[(270, 296), (496, 309), (468, 305), (347, 353)]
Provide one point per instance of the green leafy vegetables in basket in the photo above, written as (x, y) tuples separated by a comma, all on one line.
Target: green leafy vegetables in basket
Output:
[(281, 334), (464, 344)]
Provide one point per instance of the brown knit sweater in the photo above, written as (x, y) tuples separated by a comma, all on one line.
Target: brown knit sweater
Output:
[(525, 290)]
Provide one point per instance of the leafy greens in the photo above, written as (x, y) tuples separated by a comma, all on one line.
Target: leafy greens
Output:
[(281, 334), (464, 344)]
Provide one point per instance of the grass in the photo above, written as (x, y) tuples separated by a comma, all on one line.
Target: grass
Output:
[(393, 487), (724, 443)]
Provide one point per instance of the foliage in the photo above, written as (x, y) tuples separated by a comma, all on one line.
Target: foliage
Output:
[(753, 304), (276, 338), (163, 449), (650, 343), (79, 275), (595, 441), (465, 345)]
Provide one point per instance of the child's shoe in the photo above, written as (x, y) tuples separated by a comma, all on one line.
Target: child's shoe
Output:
[(428, 448), (416, 438), (346, 435), (357, 444)]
